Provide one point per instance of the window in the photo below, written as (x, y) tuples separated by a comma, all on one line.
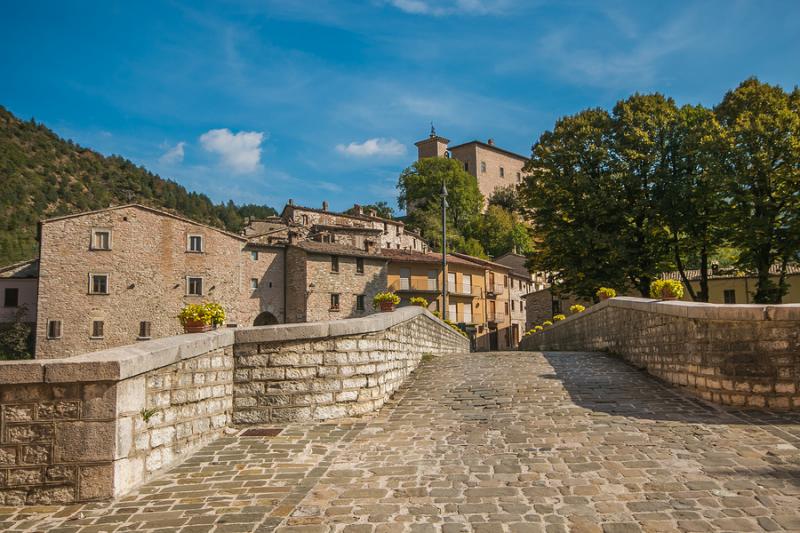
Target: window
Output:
[(506, 307), (53, 329), (451, 282), (305, 220), (466, 166), (195, 243), (483, 167), (144, 330), (360, 302), (513, 305), (466, 281), (452, 312), (519, 177), (433, 281), (97, 329), (254, 255), (360, 265), (98, 283), (502, 172), (730, 296), (334, 302), (397, 230), (334, 263), (505, 281), (467, 314), (194, 286), (405, 279), (385, 229), (11, 297), (254, 283), (101, 239)]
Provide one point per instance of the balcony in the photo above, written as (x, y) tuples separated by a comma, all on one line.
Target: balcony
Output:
[(496, 316), (415, 285), (495, 289)]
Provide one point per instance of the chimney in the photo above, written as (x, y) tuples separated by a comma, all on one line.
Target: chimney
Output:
[(325, 205), (358, 209), (373, 213), (290, 202), (490, 142)]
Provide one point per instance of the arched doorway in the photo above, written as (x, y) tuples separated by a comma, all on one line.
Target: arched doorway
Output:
[(265, 319)]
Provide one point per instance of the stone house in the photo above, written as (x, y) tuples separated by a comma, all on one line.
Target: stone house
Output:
[(114, 276), (18, 291), (330, 281), (521, 282), (493, 166)]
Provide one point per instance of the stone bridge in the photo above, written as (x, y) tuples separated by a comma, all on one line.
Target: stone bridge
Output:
[(534, 441)]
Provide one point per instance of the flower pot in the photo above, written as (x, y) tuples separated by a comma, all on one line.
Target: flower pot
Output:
[(665, 295), (604, 297), (387, 307), (196, 326)]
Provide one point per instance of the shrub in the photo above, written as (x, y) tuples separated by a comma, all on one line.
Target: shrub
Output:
[(385, 297), (419, 301), (537, 329), (666, 288), (557, 318), (547, 323), (606, 292), (455, 327), (206, 313), (577, 308)]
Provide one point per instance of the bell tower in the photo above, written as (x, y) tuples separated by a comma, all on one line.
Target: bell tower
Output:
[(433, 146)]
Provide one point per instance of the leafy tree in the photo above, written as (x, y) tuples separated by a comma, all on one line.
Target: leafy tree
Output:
[(691, 192), (762, 162), (574, 200), (382, 209), (500, 231), (16, 337), (640, 131), (507, 198)]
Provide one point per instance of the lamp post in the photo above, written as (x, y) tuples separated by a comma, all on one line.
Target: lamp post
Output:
[(444, 251)]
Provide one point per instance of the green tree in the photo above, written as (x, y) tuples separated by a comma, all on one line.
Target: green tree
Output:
[(16, 337), (691, 193), (574, 201), (500, 231), (640, 131), (762, 162), (507, 198)]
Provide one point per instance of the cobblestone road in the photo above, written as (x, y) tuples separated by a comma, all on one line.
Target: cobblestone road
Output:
[(514, 442)]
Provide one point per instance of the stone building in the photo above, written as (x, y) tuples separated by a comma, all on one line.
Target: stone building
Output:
[(329, 281), (114, 276), (18, 291), (493, 166)]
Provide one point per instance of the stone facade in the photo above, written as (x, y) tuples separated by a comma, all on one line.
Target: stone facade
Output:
[(333, 376), (147, 263), (312, 280), (741, 355), (543, 304), (97, 425)]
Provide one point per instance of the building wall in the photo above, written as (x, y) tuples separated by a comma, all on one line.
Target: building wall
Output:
[(744, 289), (729, 354), (147, 267), (296, 285), (269, 269), (539, 306), (518, 287), (28, 290), (474, 154)]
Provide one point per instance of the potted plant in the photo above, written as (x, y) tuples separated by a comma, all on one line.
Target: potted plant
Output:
[(666, 289), (386, 301), (197, 318), (546, 324), (538, 329), (419, 301), (558, 318), (604, 293), (577, 308)]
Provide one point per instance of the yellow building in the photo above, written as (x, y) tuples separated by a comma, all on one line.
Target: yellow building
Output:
[(727, 286)]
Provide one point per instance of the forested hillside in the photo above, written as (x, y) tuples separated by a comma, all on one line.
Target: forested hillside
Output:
[(43, 175)]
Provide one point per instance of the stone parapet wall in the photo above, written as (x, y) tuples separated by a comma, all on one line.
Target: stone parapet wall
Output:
[(740, 355), (97, 425), (332, 376)]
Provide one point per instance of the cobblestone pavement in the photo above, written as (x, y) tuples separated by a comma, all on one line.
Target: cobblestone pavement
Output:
[(514, 442)]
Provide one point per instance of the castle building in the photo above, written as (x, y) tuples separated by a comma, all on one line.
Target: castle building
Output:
[(493, 166)]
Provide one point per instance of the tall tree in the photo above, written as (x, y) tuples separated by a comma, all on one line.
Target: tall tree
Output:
[(574, 201), (762, 162), (640, 133), (500, 231), (420, 188), (691, 192)]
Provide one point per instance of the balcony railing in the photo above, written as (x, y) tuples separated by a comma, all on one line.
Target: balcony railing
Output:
[(462, 289), (493, 289), (414, 285), (496, 316)]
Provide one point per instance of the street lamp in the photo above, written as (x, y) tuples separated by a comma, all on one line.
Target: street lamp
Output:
[(444, 250)]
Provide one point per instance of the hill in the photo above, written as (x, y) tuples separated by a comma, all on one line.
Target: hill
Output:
[(43, 175)]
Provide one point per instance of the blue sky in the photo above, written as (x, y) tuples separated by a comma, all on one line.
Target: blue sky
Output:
[(261, 101)]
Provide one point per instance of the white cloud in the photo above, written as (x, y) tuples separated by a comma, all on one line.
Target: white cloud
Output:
[(440, 8), (240, 152), (373, 147), (174, 155)]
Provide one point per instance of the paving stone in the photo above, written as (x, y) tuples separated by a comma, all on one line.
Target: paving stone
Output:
[(506, 442)]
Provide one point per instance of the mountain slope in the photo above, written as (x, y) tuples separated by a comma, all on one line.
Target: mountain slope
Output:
[(43, 175)]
